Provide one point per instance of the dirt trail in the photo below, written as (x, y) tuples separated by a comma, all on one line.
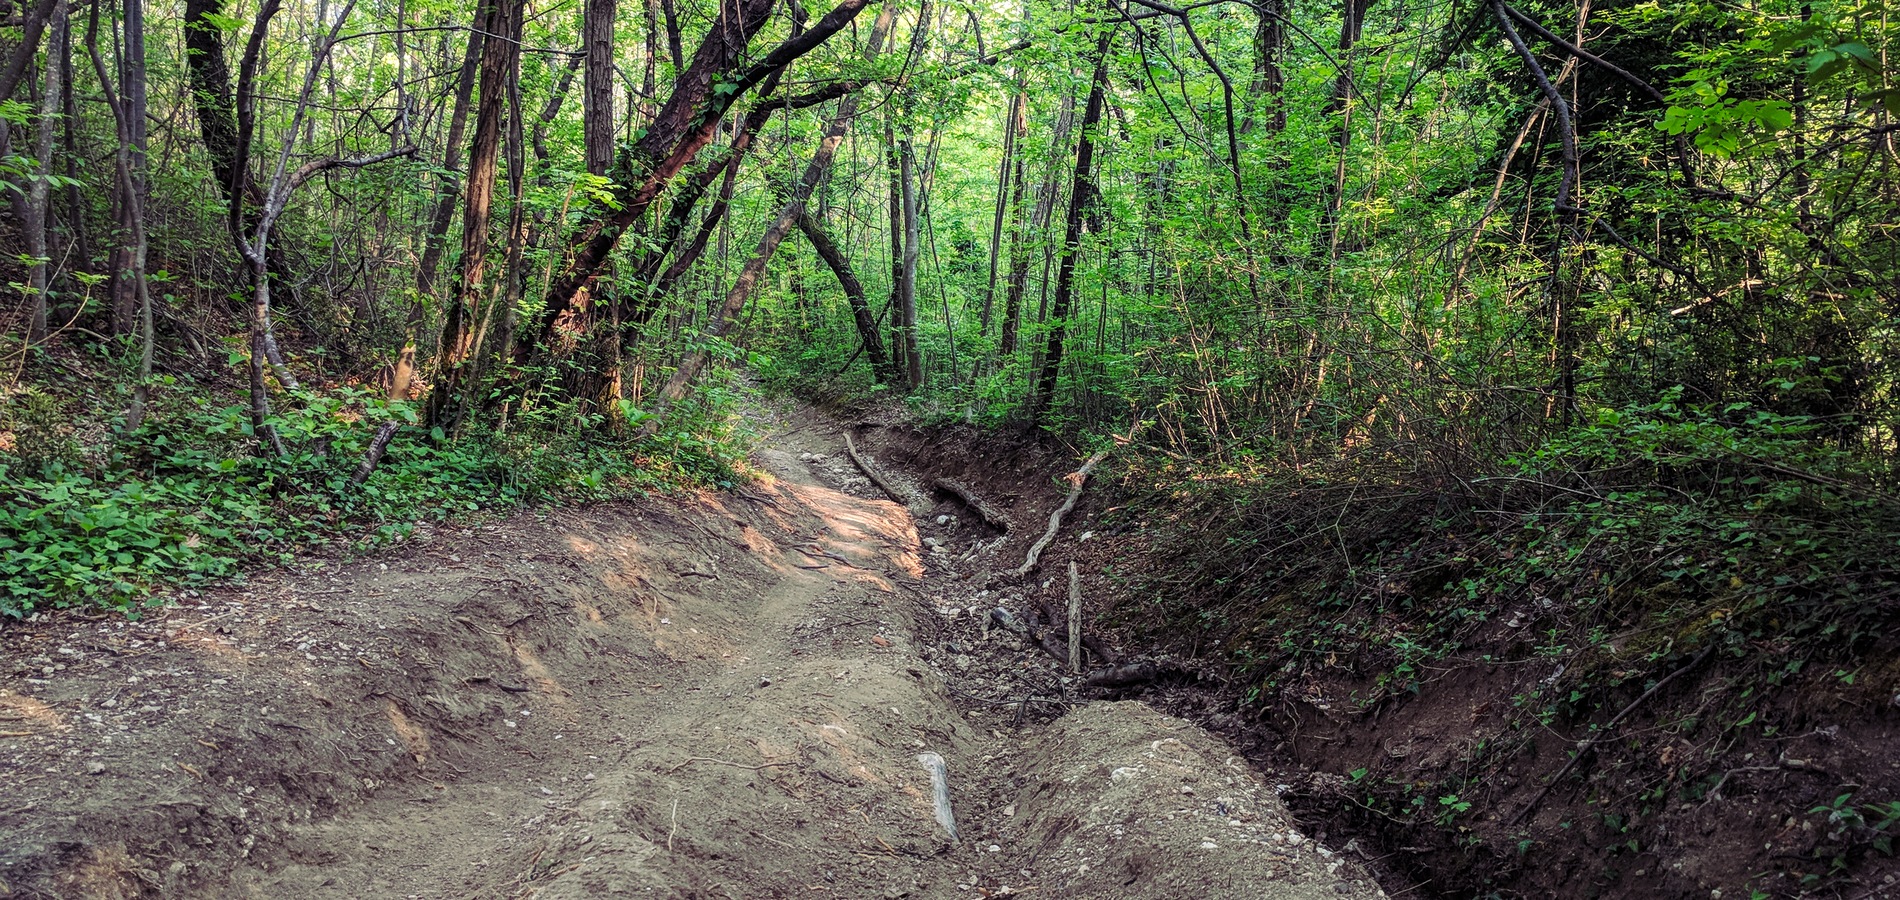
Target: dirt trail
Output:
[(716, 696)]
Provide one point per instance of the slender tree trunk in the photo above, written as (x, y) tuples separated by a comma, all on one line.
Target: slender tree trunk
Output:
[(894, 172), (440, 220), (448, 192), (649, 69), (1352, 24), (495, 342), (73, 220), (1021, 224), (1004, 169), (132, 133), (673, 47), (907, 284), (39, 199), (1269, 82), (551, 110), (1081, 196), (127, 164), (21, 61), (500, 55), (597, 118)]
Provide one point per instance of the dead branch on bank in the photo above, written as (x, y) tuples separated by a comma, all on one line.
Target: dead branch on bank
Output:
[(1076, 479), (991, 516), (1138, 672), (864, 465)]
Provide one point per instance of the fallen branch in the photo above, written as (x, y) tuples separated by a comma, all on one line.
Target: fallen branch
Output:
[(708, 759), (992, 516), (1100, 649), (1140, 671), (1032, 635), (1076, 480), (940, 791), (864, 465), (374, 454), (1587, 744)]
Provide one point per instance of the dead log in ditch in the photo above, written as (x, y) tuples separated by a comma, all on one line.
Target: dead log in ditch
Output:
[(991, 516)]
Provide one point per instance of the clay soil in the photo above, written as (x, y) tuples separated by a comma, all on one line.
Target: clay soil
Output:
[(722, 695)]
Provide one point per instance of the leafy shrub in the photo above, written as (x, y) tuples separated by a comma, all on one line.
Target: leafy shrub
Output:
[(188, 499)]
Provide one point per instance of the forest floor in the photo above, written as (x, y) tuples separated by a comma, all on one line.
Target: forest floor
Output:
[(708, 696)]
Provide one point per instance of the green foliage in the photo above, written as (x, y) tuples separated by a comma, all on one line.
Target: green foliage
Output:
[(190, 499)]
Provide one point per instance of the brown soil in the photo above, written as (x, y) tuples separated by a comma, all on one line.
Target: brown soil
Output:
[(1663, 810), (720, 695)]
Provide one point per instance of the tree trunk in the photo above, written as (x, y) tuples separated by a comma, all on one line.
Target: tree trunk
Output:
[(597, 118), (551, 110), (649, 76), (684, 126), (39, 200), (22, 59), (1081, 195), (1269, 82), (216, 104), (861, 316), (1018, 279), (73, 220), (499, 339), (1351, 24), (671, 12), (439, 222), (1003, 182), (128, 197), (502, 20), (743, 287), (448, 192), (907, 284), (128, 163)]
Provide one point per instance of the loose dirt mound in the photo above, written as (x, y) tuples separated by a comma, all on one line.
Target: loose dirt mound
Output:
[(715, 696)]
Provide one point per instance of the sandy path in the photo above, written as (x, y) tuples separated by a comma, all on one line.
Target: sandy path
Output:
[(708, 697)]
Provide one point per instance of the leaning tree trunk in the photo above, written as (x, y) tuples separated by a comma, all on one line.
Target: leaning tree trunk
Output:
[(684, 126), (754, 270), (881, 367)]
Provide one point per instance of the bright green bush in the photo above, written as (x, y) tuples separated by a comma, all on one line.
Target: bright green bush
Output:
[(188, 499)]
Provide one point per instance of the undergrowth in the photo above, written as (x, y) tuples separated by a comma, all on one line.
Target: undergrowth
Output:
[(187, 498), (1754, 547)]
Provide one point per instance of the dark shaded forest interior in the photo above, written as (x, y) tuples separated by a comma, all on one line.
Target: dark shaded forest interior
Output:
[(1491, 406)]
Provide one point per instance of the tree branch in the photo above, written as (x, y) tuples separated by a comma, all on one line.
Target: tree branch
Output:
[(317, 166)]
